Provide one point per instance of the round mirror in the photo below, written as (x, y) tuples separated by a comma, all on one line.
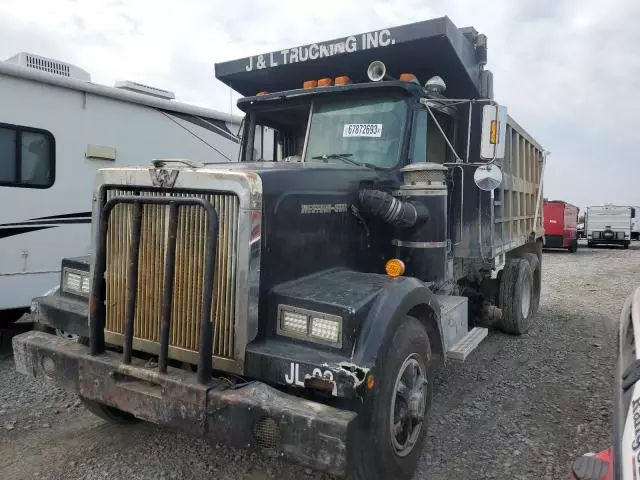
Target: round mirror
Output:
[(488, 177)]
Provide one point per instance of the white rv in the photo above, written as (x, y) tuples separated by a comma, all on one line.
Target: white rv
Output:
[(56, 129), (609, 225)]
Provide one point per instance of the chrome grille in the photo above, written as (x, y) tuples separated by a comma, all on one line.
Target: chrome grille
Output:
[(188, 279)]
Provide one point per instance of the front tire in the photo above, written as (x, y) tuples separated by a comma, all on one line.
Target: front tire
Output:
[(516, 295), (110, 414), (389, 446)]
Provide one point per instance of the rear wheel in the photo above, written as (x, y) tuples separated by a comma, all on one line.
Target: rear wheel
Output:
[(110, 414), (536, 273), (516, 295), (391, 444), (573, 248)]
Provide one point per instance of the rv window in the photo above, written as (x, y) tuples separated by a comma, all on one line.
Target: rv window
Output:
[(26, 157)]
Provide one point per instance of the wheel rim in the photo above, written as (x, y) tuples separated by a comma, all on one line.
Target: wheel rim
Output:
[(525, 304), (67, 335), (408, 406)]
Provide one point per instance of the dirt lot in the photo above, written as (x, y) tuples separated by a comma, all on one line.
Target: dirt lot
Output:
[(518, 408)]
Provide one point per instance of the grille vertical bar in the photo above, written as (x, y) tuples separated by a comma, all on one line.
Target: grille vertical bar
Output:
[(189, 271)]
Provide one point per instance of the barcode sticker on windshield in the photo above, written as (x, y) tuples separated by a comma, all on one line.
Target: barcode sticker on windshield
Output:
[(362, 130)]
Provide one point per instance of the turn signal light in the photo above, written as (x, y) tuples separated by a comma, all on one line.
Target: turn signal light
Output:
[(343, 80), (325, 82), (394, 267), (310, 84), (493, 136)]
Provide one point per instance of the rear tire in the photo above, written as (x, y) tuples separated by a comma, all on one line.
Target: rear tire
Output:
[(516, 296), (389, 446), (536, 272), (573, 248), (110, 414)]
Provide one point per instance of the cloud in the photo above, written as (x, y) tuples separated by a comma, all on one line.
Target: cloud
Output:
[(567, 70)]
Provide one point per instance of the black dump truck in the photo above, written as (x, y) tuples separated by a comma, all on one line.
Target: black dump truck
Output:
[(383, 213)]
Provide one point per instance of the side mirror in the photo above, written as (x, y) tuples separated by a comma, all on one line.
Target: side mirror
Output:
[(494, 129), (487, 177)]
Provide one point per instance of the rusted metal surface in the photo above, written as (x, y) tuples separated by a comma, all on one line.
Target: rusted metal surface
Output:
[(251, 415), (310, 433)]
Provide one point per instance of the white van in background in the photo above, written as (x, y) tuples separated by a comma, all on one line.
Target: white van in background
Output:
[(635, 225), (609, 225)]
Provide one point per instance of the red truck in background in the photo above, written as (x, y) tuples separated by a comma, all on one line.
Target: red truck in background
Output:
[(560, 225)]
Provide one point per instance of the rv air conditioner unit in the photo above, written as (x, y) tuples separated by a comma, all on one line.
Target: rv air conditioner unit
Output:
[(49, 65)]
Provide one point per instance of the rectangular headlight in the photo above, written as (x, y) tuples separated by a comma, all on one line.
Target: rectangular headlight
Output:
[(326, 329), (294, 322), (75, 281), (312, 326)]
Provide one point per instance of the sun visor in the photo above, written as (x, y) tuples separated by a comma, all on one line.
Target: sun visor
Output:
[(425, 49)]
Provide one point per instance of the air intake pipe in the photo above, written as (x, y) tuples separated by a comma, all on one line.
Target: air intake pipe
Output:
[(397, 213)]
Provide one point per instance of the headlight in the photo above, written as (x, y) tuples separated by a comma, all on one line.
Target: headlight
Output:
[(312, 326), (75, 281), (294, 322), (325, 329)]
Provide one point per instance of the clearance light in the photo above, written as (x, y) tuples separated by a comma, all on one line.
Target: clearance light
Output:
[(343, 80), (325, 82), (263, 92), (310, 84), (371, 382), (394, 267), (408, 77)]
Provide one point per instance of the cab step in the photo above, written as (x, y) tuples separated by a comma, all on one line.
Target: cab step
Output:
[(467, 344)]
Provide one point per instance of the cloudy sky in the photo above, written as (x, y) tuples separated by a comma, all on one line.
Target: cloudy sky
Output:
[(568, 70)]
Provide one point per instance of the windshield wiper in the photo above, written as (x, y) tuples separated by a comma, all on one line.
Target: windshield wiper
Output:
[(345, 157)]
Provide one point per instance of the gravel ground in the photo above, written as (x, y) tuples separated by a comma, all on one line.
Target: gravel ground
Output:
[(518, 408)]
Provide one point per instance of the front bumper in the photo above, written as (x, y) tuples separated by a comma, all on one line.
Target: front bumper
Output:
[(63, 312), (250, 416)]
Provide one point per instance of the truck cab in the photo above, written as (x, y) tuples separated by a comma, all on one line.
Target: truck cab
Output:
[(379, 220)]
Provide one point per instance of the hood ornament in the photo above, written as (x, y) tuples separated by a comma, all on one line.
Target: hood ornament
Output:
[(163, 178)]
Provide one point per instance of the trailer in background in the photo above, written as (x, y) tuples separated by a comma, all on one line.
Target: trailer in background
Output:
[(609, 225), (560, 225)]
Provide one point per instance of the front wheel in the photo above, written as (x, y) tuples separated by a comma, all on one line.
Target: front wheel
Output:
[(390, 445)]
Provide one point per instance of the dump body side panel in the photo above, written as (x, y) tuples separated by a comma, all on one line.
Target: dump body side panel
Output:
[(494, 223)]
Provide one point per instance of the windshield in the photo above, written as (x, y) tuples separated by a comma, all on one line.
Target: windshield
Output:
[(367, 131)]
